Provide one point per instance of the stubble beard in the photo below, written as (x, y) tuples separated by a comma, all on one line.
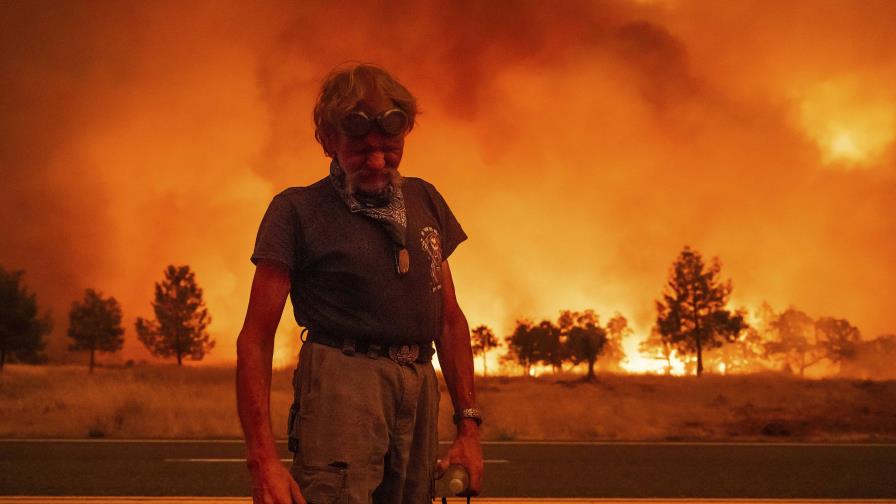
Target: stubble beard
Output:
[(393, 181)]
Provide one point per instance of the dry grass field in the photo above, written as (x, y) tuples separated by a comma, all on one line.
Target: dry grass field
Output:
[(199, 402)]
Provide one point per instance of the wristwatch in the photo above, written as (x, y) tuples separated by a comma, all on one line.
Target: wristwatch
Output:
[(474, 413)]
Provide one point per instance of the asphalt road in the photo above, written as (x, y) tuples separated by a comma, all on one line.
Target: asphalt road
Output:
[(513, 469)]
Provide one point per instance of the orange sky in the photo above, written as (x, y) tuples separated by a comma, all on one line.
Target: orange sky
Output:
[(581, 145)]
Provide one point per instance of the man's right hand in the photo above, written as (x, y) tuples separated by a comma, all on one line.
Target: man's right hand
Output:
[(272, 484)]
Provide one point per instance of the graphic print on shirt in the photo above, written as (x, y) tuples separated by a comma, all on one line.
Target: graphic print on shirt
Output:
[(432, 244)]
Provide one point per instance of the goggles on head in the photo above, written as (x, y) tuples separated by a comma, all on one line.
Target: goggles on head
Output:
[(358, 124)]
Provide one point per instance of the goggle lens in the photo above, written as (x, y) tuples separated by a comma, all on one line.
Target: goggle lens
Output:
[(391, 122), (355, 124)]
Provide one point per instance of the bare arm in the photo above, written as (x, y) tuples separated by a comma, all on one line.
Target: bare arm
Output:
[(456, 361), (454, 350), (255, 351)]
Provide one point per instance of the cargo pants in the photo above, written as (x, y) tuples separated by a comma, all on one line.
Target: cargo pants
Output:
[(363, 428)]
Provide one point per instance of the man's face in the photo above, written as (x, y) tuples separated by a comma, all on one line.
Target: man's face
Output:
[(370, 162)]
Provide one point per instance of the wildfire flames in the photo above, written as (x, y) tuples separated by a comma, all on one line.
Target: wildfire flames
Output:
[(580, 144)]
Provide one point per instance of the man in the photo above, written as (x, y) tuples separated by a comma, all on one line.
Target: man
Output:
[(363, 254)]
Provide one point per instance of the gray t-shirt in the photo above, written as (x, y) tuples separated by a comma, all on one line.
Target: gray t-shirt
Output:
[(342, 264)]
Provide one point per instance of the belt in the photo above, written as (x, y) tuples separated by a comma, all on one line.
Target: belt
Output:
[(402, 354)]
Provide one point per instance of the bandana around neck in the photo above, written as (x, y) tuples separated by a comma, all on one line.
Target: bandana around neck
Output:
[(389, 211)]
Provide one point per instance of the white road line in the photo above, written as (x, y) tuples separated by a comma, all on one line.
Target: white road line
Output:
[(485, 443), (113, 440), (91, 440), (204, 460), (676, 443), (478, 500)]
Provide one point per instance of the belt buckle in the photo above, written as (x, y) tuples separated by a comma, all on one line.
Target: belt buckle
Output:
[(404, 354)]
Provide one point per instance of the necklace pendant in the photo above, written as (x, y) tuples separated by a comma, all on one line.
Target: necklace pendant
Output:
[(402, 261)]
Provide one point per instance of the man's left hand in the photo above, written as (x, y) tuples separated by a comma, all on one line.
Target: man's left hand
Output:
[(466, 451)]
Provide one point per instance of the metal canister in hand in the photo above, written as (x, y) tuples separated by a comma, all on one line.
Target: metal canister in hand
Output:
[(454, 481)]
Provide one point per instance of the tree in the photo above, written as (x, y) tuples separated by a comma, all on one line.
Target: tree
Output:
[(549, 347), (802, 342), (747, 354), (741, 356), (873, 359), (658, 348), (586, 340), (617, 331), (692, 314), (181, 318), (837, 338), (766, 315), (794, 341), (521, 346), (95, 325), (483, 341), (21, 328)]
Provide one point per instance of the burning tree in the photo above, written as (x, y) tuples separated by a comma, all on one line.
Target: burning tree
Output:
[(617, 331), (658, 348), (95, 325), (837, 338), (802, 342), (747, 354), (692, 315), (21, 328), (181, 318), (794, 341), (873, 359), (741, 356), (483, 341)]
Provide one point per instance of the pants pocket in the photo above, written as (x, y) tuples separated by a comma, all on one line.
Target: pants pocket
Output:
[(324, 484), (300, 386), (292, 431)]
